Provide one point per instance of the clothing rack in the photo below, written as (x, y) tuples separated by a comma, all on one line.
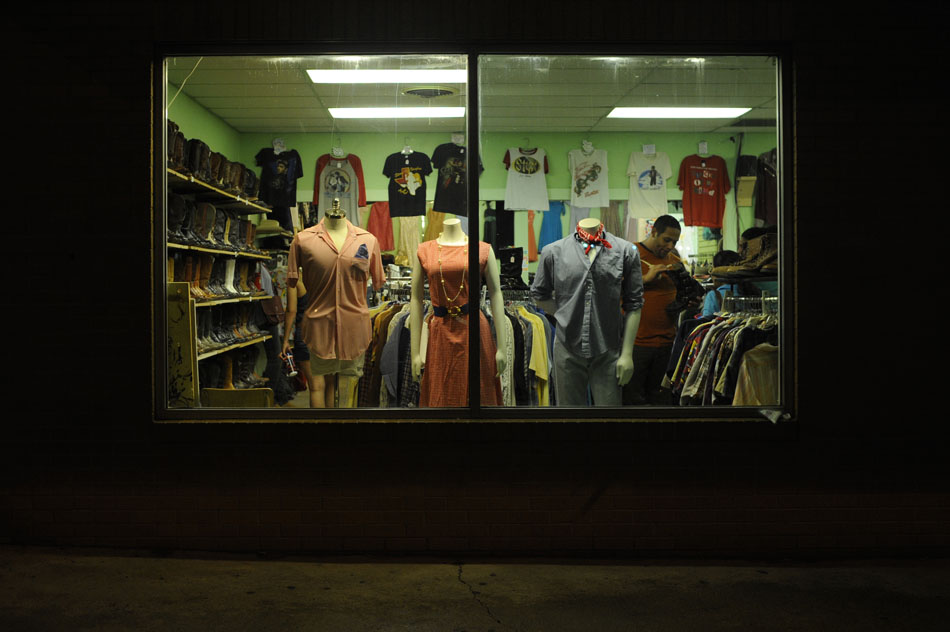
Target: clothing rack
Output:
[(523, 295), (402, 293), (764, 304)]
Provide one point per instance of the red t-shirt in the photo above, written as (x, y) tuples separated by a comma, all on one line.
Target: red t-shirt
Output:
[(704, 183)]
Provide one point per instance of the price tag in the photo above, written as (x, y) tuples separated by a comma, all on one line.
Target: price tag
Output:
[(649, 149), (703, 147)]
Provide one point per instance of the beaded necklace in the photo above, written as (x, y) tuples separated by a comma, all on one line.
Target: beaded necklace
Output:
[(452, 308)]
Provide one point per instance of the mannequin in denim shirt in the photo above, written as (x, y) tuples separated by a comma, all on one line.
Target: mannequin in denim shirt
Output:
[(595, 295)]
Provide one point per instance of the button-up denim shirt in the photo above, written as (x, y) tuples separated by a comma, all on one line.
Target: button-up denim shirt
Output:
[(591, 297)]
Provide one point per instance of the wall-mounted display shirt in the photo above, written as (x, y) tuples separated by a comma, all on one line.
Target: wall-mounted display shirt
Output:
[(588, 177), (704, 183), (340, 178), (526, 188), (407, 183), (336, 322), (648, 175), (592, 296), (279, 174), (449, 162)]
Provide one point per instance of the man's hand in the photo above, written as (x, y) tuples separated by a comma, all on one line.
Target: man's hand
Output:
[(654, 270)]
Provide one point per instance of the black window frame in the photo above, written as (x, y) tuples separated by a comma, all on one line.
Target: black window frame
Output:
[(782, 415)]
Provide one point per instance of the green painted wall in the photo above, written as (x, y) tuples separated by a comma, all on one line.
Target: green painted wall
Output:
[(195, 121)]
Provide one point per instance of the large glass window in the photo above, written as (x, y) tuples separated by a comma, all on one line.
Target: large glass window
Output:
[(340, 231), (639, 197)]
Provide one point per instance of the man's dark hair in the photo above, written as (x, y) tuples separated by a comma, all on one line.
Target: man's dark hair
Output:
[(665, 221)]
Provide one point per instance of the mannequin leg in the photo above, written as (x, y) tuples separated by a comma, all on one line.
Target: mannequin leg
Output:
[(322, 391)]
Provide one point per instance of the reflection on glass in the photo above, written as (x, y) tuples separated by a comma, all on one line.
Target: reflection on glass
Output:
[(302, 192), (633, 203)]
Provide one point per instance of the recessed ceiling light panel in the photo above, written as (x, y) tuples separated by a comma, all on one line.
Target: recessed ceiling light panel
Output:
[(388, 76), (677, 113)]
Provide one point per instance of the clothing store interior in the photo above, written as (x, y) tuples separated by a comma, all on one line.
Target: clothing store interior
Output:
[(327, 238)]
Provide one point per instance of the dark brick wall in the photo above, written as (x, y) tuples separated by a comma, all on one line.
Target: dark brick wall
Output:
[(860, 473)]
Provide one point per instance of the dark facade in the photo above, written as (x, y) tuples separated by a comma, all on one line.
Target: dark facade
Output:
[(859, 472)]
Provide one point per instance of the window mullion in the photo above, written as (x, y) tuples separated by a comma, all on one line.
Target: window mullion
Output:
[(472, 161)]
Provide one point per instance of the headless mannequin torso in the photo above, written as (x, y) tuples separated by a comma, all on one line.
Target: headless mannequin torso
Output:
[(631, 321), (452, 235)]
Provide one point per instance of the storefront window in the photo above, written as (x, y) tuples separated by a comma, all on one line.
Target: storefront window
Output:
[(638, 199), (338, 233)]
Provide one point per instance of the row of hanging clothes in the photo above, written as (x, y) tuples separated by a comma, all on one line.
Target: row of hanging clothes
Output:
[(729, 358), (387, 369), (527, 379)]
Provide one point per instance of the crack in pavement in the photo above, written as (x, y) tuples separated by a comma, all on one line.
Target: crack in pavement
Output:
[(475, 596)]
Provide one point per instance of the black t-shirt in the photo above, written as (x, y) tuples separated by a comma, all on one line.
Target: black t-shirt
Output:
[(279, 174), (449, 160), (407, 183)]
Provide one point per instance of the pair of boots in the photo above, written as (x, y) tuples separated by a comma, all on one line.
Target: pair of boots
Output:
[(212, 334), (198, 271), (761, 258), (234, 369)]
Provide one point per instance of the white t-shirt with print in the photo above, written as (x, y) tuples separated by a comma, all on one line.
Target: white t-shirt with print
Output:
[(589, 178), (648, 175)]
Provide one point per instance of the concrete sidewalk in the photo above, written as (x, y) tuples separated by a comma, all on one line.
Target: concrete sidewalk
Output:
[(48, 589)]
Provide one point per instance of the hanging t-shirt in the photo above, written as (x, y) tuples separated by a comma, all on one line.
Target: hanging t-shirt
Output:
[(407, 183), (279, 174), (648, 174), (588, 177), (526, 188), (449, 161), (704, 183), (339, 178)]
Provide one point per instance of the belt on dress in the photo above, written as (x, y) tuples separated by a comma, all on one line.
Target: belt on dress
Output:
[(455, 310)]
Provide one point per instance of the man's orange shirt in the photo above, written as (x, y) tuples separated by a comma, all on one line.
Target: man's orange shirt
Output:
[(656, 327)]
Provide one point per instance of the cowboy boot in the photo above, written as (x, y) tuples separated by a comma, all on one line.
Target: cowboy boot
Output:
[(193, 288), (204, 283), (176, 215), (215, 168), (216, 283), (229, 276), (205, 231), (234, 233), (227, 373), (240, 267)]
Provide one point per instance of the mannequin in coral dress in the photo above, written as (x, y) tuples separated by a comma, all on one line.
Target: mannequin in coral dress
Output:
[(444, 262)]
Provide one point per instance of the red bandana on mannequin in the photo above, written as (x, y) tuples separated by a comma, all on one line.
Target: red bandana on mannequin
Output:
[(596, 238)]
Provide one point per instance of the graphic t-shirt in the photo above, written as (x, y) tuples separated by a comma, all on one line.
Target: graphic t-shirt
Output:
[(704, 183), (588, 178), (407, 183), (526, 188), (449, 161), (648, 177), (279, 174), (342, 179)]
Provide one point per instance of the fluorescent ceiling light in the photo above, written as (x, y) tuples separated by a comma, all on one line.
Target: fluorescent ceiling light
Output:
[(388, 76), (386, 113), (677, 113)]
